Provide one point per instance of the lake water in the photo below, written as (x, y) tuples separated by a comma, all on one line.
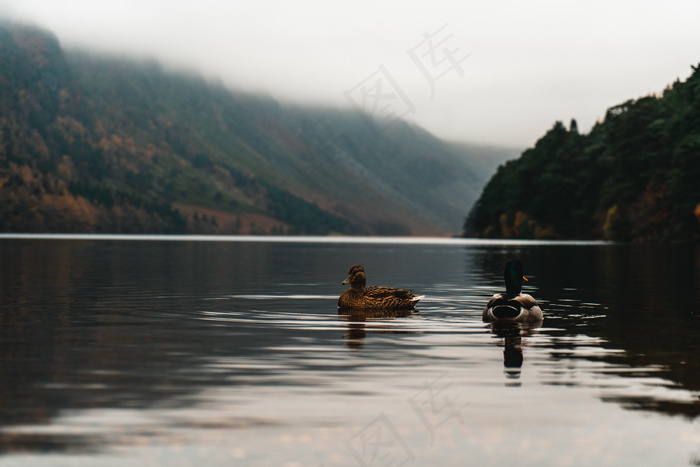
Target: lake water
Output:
[(216, 351)]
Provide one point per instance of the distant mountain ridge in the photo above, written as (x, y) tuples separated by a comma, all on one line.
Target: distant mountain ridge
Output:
[(90, 144), (634, 177)]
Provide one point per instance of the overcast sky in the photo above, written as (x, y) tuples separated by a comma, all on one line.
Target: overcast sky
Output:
[(485, 71)]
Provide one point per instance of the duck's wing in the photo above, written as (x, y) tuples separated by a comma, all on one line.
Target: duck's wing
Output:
[(533, 312), (489, 306), (390, 297), (379, 293), (526, 301)]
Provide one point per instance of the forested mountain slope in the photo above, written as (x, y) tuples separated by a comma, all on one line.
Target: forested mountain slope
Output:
[(634, 177), (89, 144)]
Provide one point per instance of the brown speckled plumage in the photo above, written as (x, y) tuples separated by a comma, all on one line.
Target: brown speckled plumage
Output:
[(361, 296)]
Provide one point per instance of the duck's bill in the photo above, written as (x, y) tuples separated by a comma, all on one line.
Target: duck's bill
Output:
[(346, 281)]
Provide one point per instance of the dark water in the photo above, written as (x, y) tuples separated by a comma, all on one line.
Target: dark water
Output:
[(131, 352)]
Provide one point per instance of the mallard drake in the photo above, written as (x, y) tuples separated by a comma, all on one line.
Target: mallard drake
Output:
[(513, 305), (361, 296)]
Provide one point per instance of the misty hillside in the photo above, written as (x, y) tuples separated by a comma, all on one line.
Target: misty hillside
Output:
[(635, 176), (90, 144)]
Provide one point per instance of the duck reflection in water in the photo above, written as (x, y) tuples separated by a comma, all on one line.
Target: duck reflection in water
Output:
[(357, 327), (512, 335), (513, 315)]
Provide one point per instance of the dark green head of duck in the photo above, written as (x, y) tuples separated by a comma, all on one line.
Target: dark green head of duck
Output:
[(514, 276)]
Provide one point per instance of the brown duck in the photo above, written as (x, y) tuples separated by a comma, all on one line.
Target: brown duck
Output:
[(513, 306), (361, 296)]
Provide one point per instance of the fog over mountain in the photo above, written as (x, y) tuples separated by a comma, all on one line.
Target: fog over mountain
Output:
[(477, 71)]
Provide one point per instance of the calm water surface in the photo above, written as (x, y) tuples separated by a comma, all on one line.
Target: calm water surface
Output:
[(181, 352)]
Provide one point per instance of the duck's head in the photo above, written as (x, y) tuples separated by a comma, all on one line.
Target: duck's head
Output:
[(356, 277), (514, 276)]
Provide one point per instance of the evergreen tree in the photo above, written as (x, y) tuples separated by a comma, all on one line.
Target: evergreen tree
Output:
[(634, 176)]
